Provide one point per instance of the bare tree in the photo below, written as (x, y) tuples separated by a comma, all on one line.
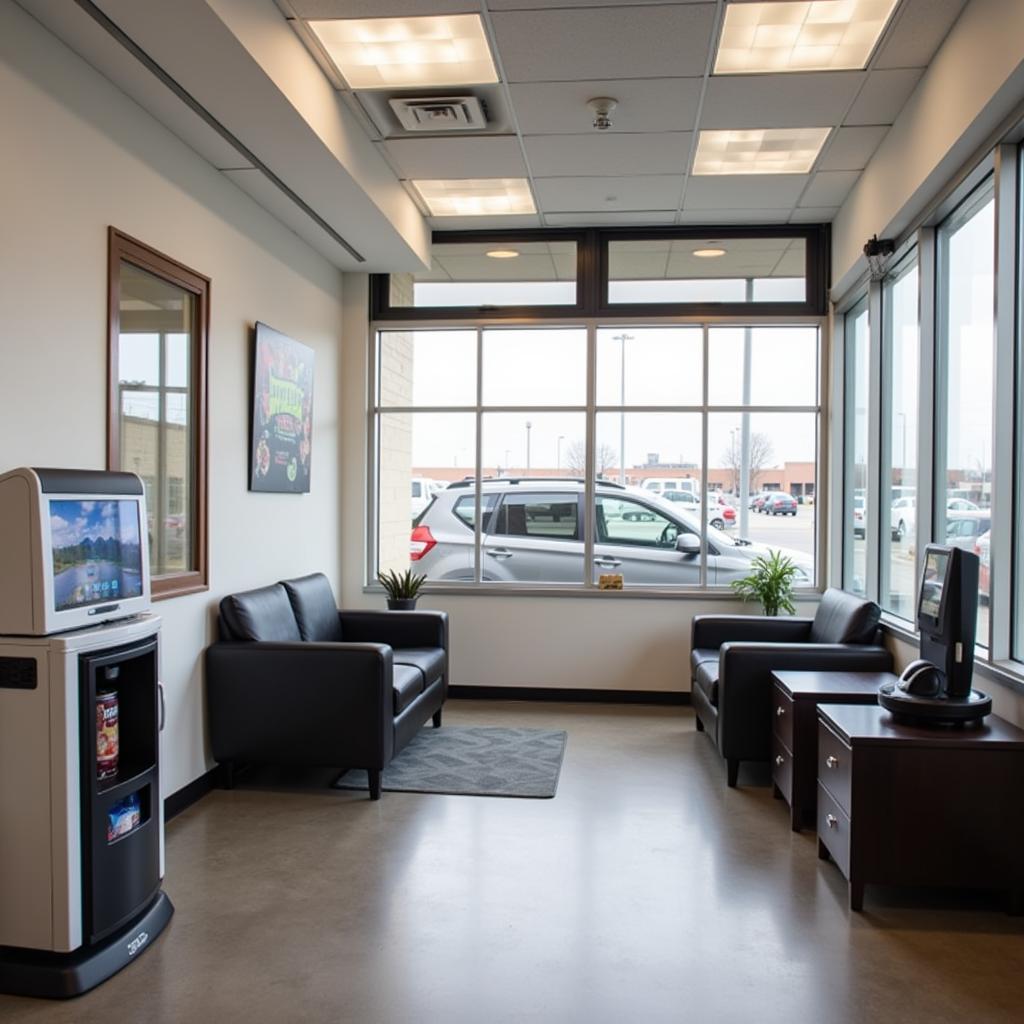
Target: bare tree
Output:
[(576, 458), (762, 453)]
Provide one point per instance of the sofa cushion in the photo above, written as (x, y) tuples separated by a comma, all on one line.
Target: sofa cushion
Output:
[(263, 614), (843, 618), (701, 654), (408, 683), (429, 660), (316, 611), (705, 678)]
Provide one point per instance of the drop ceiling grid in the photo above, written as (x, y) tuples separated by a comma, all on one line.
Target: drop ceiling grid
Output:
[(656, 57)]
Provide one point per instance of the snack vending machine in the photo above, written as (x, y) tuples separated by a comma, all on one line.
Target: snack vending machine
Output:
[(81, 813)]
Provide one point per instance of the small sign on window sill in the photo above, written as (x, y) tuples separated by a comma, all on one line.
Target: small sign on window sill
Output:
[(609, 581)]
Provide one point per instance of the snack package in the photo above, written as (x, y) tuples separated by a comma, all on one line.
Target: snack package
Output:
[(124, 817)]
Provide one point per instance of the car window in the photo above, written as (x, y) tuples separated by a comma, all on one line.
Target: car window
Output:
[(538, 515), (624, 521), (416, 489), (465, 509)]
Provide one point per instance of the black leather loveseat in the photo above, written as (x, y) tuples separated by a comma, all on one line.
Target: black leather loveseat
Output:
[(732, 658), (293, 680)]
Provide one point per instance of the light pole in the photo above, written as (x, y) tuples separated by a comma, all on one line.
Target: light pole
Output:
[(622, 338), (528, 426), (558, 457)]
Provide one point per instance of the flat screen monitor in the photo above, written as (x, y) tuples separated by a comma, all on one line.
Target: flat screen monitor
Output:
[(97, 552), (933, 587)]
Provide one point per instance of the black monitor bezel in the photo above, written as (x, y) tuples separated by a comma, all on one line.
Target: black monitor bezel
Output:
[(927, 623)]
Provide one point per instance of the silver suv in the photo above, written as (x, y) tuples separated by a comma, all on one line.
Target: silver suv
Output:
[(532, 532)]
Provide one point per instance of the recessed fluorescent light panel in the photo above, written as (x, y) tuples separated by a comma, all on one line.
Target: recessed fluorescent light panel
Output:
[(391, 53), (476, 197), (820, 35), (759, 151)]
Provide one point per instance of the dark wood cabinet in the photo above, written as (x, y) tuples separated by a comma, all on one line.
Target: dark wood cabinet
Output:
[(908, 805), (795, 700)]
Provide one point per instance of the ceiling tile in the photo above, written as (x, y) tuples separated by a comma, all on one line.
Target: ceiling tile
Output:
[(851, 148), (638, 192), (626, 217), (733, 216), (567, 45), (644, 105), (814, 215), (524, 220), (534, 5), (380, 8), (605, 153), (766, 191), (883, 96), (486, 157), (918, 33), (829, 188), (813, 100)]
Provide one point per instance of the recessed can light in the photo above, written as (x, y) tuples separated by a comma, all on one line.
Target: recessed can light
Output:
[(503, 254), (708, 254)]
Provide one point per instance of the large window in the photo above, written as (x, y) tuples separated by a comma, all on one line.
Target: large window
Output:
[(857, 336), (698, 445), (966, 349), (901, 354), (157, 421)]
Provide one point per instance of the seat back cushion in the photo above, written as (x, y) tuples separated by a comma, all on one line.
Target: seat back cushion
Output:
[(315, 609), (843, 618), (264, 614)]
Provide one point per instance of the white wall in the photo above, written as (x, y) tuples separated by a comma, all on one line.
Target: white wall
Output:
[(77, 155), (975, 81)]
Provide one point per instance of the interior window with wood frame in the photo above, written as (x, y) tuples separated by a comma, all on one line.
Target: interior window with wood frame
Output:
[(159, 317)]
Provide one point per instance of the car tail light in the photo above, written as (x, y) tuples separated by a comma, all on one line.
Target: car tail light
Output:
[(420, 542), (729, 513)]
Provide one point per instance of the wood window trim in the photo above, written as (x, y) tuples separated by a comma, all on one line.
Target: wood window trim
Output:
[(123, 247)]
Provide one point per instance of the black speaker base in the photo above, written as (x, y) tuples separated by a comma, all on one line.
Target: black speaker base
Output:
[(47, 975), (939, 711)]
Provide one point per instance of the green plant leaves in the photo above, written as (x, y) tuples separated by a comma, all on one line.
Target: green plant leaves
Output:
[(770, 582), (401, 586)]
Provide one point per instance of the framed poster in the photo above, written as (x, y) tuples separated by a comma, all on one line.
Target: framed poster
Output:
[(282, 413)]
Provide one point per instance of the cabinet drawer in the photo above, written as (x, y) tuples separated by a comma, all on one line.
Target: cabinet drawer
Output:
[(782, 768), (834, 829), (782, 716), (835, 760)]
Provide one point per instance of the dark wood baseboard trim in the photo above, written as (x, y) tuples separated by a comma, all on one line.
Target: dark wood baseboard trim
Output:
[(192, 793), (540, 693)]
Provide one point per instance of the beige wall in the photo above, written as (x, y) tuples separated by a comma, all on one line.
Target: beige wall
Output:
[(77, 156)]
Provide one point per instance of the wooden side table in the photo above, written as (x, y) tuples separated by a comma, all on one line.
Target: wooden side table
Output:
[(795, 700), (909, 805)]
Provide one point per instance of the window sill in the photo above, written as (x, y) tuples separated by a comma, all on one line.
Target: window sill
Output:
[(166, 587), (578, 590)]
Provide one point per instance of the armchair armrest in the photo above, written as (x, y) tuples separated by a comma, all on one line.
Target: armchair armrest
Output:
[(397, 629), (326, 703), (745, 686), (711, 631)]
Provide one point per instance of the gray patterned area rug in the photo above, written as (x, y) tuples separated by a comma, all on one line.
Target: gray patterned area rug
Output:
[(473, 762)]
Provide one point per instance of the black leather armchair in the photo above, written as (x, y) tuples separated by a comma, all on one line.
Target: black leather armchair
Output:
[(732, 658), (293, 680)]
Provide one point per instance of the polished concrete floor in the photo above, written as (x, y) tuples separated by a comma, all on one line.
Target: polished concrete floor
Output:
[(645, 891)]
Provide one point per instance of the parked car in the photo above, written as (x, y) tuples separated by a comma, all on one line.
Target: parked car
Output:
[(672, 484), (859, 528), (759, 499), (720, 516), (983, 549), (779, 503), (964, 528), (903, 513), (423, 490), (532, 532)]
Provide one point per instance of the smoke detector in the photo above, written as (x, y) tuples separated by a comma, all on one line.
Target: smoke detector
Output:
[(602, 106), (439, 113)]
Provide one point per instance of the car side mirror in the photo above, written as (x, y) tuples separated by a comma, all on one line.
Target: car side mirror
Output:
[(688, 544)]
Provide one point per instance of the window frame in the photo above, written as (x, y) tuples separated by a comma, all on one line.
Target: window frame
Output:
[(124, 248), (592, 277), (588, 587)]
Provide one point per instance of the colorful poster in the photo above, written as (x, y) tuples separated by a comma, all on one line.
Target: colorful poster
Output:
[(282, 413)]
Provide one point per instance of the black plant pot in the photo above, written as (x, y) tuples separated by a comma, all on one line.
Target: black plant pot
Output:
[(402, 604)]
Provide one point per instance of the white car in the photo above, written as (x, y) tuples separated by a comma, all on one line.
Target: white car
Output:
[(423, 491), (902, 514)]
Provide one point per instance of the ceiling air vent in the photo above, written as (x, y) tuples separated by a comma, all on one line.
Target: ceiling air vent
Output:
[(440, 114)]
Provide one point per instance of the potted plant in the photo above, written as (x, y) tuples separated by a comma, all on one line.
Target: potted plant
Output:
[(403, 589), (770, 582)]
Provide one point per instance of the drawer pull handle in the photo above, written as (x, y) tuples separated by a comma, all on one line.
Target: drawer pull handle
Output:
[(832, 820), (831, 761), (779, 759), (780, 711)]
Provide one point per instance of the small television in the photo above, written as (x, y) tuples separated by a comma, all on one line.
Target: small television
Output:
[(932, 604), (75, 549)]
